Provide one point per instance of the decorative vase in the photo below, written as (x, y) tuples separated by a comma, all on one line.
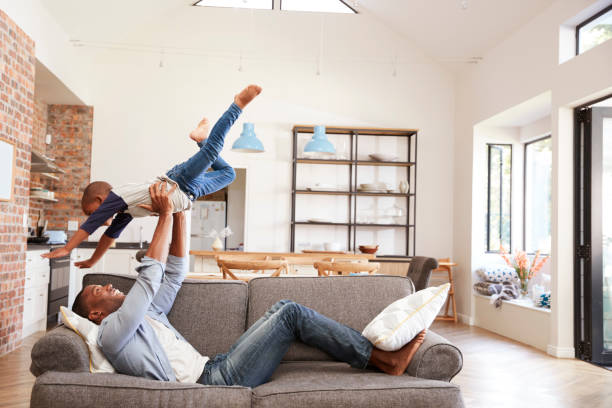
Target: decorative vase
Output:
[(524, 286), (217, 245)]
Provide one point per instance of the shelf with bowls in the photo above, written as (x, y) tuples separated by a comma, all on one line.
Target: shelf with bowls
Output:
[(353, 162)]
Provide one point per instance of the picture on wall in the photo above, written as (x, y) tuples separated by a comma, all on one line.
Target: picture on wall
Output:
[(7, 170)]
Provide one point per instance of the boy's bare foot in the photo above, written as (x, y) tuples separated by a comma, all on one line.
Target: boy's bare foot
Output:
[(396, 362), (201, 132), (246, 95)]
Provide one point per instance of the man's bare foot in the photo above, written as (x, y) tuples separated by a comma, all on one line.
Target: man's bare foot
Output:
[(201, 132), (246, 95), (396, 362)]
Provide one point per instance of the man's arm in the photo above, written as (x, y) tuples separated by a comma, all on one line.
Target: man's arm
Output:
[(176, 266), (119, 327)]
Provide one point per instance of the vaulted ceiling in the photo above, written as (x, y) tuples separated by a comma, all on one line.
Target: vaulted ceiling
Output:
[(450, 31)]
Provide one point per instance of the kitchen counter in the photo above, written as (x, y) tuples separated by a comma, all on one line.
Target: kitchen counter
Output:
[(90, 244)]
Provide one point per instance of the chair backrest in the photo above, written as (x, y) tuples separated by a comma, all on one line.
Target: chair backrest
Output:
[(210, 314), (345, 268), (226, 265), (420, 269)]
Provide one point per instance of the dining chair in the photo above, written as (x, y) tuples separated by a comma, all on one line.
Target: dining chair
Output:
[(345, 268), (227, 264)]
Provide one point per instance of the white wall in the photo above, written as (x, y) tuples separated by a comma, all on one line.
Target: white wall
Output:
[(52, 44), (144, 112), (526, 64)]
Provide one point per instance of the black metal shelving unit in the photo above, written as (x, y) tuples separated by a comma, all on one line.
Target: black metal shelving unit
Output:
[(353, 164)]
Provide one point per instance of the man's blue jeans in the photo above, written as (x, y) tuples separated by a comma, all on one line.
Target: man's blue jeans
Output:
[(192, 176), (251, 361)]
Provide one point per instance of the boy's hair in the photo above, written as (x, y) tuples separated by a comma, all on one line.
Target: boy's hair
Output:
[(79, 307), (93, 190)]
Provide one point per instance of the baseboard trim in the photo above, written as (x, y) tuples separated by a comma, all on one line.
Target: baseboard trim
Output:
[(465, 319), (560, 352)]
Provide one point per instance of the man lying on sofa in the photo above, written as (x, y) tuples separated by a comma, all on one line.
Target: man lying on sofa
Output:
[(137, 338)]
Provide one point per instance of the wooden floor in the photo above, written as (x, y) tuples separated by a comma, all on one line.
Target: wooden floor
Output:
[(497, 373)]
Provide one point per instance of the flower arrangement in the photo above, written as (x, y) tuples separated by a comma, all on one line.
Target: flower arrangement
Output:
[(523, 268), (217, 245)]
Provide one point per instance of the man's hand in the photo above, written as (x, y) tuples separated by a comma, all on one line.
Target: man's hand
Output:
[(58, 253), (85, 264), (160, 198)]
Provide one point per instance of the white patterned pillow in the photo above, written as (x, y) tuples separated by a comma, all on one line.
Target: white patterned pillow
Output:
[(497, 273), (403, 319), (88, 331)]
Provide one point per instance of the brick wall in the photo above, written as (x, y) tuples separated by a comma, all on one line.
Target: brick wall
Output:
[(71, 128), (17, 65)]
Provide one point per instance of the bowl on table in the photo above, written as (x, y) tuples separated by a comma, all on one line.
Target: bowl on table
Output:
[(368, 249)]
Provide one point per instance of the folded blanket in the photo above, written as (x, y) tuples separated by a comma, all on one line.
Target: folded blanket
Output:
[(498, 291)]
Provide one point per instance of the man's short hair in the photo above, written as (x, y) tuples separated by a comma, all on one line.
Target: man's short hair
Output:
[(93, 190), (79, 307)]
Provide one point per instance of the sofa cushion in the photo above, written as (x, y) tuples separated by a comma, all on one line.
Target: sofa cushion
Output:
[(55, 389), (330, 384), (210, 314), (350, 300)]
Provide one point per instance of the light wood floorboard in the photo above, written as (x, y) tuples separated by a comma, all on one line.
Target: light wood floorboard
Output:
[(497, 372)]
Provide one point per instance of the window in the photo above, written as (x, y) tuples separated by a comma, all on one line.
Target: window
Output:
[(250, 4), (538, 195), (324, 6), (499, 194), (594, 31)]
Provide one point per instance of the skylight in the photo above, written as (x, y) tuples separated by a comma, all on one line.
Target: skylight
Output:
[(248, 4), (322, 6)]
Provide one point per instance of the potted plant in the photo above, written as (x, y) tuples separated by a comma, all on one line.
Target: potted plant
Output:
[(523, 268)]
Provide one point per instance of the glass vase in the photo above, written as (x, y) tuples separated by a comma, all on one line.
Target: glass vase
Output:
[(524, 286)]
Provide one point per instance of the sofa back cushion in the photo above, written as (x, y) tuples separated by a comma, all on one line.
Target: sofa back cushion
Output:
[(350, 300), (210, 314)]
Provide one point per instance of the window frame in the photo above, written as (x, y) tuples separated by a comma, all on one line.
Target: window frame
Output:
[(341, 1), (539, 139), (587, 21), (489, 146)]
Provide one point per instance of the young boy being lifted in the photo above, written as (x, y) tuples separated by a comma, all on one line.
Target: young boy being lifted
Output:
[(116, 207)]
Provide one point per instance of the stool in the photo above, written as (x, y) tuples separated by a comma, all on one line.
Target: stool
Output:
[(445, 265)]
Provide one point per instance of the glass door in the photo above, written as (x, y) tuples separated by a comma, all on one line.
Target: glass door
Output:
[(593, 268)]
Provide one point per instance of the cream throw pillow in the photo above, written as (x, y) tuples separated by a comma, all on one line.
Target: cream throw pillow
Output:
[(403, 319), (88, 331)]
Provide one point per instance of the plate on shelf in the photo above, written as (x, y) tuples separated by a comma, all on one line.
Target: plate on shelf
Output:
[(315, 219), (383, 157)]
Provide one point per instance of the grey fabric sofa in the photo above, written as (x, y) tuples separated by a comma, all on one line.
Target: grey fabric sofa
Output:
[(212, 314)]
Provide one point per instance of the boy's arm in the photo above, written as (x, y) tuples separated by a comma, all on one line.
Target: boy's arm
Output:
[(119, 223), (109, 207), (176, 266)]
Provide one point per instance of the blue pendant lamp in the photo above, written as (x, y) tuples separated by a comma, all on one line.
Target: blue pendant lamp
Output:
[(319, 143), (248, 142)]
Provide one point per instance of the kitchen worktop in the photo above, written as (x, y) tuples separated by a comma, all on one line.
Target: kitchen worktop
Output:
[(90, 244)]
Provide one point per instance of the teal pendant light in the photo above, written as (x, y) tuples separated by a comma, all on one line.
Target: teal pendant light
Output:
[(319, 142), (248, 142)]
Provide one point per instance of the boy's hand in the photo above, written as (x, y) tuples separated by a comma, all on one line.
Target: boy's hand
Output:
[(160, 199), (58, 253), (85, 264)]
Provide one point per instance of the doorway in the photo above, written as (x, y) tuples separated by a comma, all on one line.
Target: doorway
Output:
[(593, 232)]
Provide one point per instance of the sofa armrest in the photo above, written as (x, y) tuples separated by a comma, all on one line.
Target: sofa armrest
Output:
[(59, 350), (436, 359)]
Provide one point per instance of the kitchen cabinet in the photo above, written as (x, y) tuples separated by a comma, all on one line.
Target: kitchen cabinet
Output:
[(35, 293)]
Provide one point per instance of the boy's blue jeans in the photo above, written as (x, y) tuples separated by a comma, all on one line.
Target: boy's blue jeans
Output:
[(192, 176), (256, 354)]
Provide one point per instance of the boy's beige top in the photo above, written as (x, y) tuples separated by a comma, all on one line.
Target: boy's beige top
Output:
[(135, 194)]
